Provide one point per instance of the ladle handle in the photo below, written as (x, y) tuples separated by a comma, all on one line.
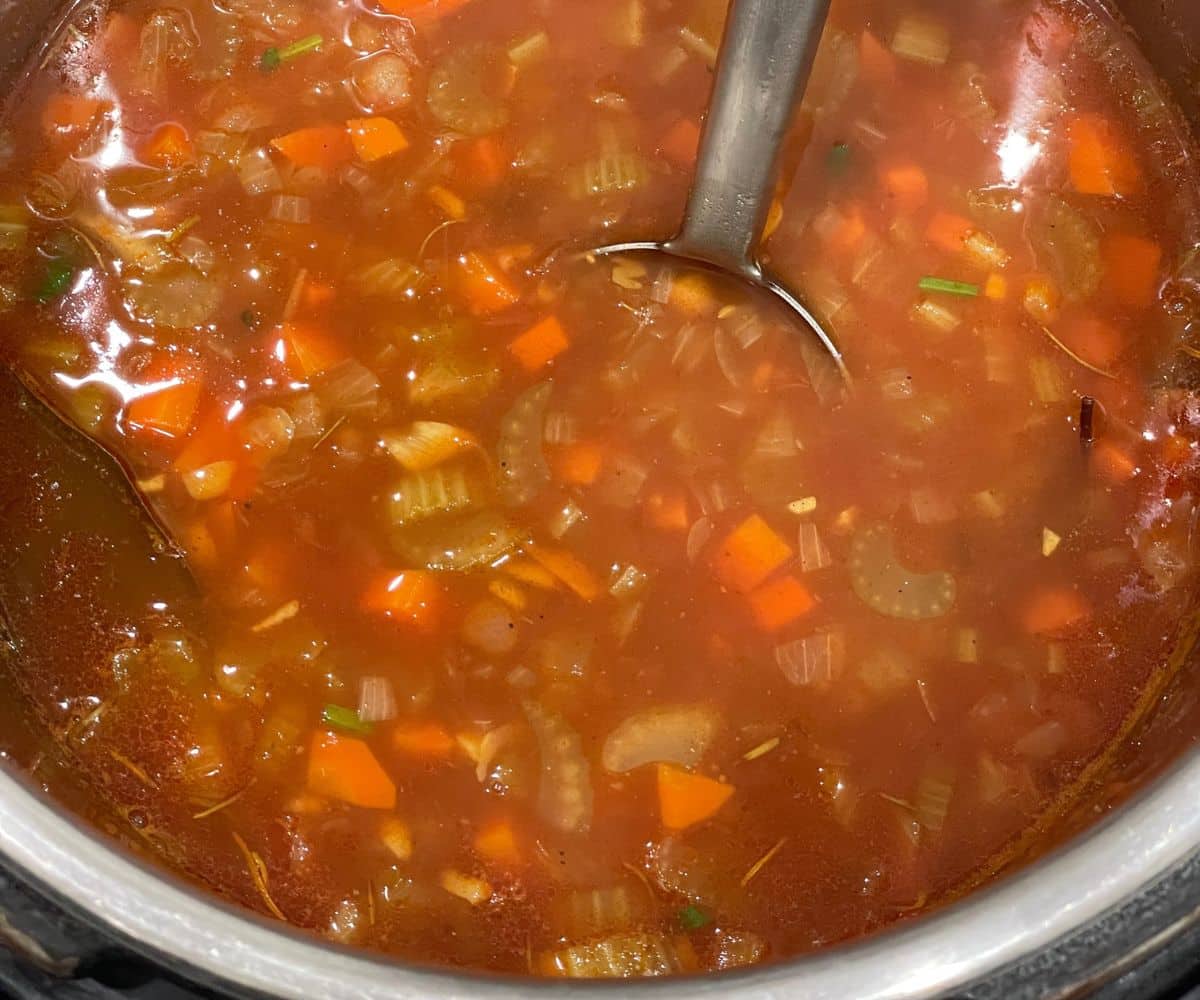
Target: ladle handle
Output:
[(766, 56)]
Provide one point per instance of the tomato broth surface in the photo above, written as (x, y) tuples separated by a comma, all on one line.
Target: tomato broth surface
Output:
[(569, 616)]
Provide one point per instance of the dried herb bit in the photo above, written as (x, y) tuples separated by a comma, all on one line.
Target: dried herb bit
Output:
[(56, 279), (341, 717), (1087, 420), (838, 159), (275, 57), (250, 319), (692, 918)]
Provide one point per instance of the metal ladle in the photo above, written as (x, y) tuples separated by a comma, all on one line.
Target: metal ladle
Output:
[(765, 59)]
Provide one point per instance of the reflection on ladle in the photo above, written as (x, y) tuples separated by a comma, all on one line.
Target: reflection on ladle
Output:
[(765, 59)]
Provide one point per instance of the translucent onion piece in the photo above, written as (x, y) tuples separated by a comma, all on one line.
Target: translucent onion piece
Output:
[(178, 296), (349, 388), (604, 910), (812, 551), (677, 734), (834, 73), (620, 956), (565, 789), (815, 659), (1067, 245), (291, 209), (735, 949), (621, 480), (683, 870), (931, 802), (463, 544), (523, 469), (376, 699), (466, 88), (886, 586), (258, 175), (490, 627), (393, 277)]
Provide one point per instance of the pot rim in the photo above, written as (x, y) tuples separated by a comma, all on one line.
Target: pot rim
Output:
[(157, 913)]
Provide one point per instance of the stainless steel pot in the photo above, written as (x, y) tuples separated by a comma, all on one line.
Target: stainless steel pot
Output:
[(1116, 854)]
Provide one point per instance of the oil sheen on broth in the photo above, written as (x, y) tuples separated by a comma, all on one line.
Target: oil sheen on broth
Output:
[(561, 619)]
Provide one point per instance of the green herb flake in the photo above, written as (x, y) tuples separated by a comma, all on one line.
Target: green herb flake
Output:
[(250, 319), (839, 158), (948, 287), (275, 57), (56, 279), (692, 918), (345, 718)]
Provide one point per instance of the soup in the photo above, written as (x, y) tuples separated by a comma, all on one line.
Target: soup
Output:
[(569, 615)]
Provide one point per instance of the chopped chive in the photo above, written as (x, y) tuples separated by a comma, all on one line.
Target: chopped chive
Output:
[(931, 284), (274, 57), (692, 918), (345, 718), (56, 280), (839, 158)]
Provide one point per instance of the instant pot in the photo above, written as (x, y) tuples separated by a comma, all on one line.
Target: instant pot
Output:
[(1112, 911)]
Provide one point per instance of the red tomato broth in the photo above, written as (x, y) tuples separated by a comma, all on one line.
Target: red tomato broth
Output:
[(881, 750)]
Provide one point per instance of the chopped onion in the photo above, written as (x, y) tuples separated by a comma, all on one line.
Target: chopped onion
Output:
[(621, 956), (1044, 742), (351, 387), (290, 208), (209, 481), (813, 553), (678, 734), (258, 175), (935, 316), (932, 800), (1047, 379), (523, 469), (815, 659), (736, 949), (376, 699), (621, 482), (490, 627), (629, 581), (896, 384), (931, 507), (698, 537), (560, 428), (776, 437), (564, 517), (966, 645)]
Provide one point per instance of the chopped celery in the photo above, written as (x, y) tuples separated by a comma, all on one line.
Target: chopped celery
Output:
[(610, 173), (446, 489), (838, 159), (921, 39), (529, 49), (692, 918), (935, 316), (934, 793), (56, 279), (1048, 383)]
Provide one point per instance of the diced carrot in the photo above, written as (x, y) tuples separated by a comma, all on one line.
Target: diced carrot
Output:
[(906, 185), (692, 294), (168, 147), (1101, 160), (423, 739), (375, 138), (451, 205), (167, 404), (482, 163), (486, 289), (1113, 462), (1054, 609), (751, 553), (317, 294), (325, 146), (875, 60), (948, 231), (845, 229), (685, 799), (774, 218), (996, 287), (66, 112), (667, 510), (567, 568), (1132, 268), (343, 768), (312, 350), (531, 573), (411, 597), (540, 344), (1097, 342), (780, 602), (422, 10), (681, 143), (497, 842), (578, 463), (212, 440)]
